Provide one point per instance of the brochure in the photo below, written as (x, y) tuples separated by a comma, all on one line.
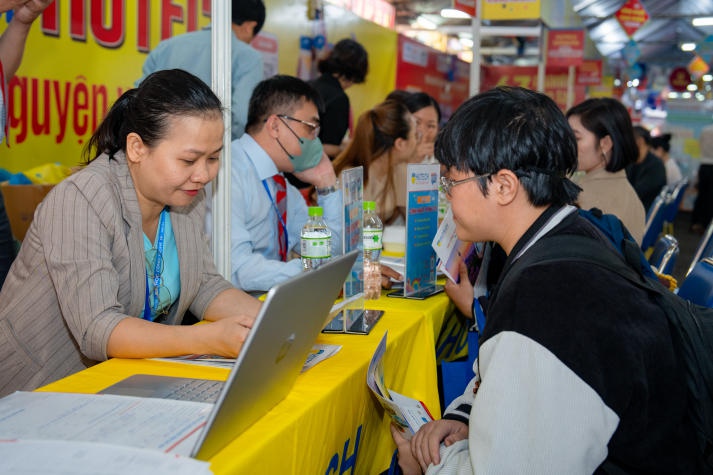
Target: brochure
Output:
[(450, 250), (408, 414)]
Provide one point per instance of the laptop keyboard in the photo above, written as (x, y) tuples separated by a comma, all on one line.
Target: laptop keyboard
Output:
[(200, 390)]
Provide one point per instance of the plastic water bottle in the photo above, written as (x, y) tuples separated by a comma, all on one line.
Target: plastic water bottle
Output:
[(315, 240), (372, 243)]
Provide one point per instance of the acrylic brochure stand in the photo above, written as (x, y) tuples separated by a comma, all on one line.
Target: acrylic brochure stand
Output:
[(421, 226), (351, 316)]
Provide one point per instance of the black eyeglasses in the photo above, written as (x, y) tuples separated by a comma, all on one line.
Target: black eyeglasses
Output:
[(313, 128), (449, 183), (160, 293)]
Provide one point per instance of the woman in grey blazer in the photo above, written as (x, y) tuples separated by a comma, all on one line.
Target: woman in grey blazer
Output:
[(116, 254)]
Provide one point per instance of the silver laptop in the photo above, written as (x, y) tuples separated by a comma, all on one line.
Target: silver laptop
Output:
[(272, 356)]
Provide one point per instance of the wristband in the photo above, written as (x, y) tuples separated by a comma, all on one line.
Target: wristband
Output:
[(327, 189)]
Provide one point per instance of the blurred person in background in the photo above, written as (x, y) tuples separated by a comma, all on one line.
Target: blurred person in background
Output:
[(192, 52), (648, 174), (384, 137), (703, 206), (605, 146), (661, 147), (427, 113)]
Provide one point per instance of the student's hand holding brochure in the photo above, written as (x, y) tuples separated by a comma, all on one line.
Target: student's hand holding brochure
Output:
[(407, 413), (450, 250)]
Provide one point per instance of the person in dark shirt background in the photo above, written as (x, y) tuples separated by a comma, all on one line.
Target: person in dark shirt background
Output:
[(648, 174)]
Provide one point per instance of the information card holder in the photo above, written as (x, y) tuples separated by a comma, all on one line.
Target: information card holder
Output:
[(421, 226), (353, 317)]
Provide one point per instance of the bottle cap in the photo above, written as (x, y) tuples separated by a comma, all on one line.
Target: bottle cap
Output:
[(315, 211), (369, 206)]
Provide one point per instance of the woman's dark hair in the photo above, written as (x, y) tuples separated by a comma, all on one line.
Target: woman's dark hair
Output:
[(248, 10), (348, 59), (375, 133), (398, 95), (514, 129), (420, 100), (662, 141), (606, 116), (644, 133), (279, 94), (146, 110)]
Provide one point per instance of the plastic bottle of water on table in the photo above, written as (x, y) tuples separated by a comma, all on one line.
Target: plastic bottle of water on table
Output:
[(372, 242), (315, 240)]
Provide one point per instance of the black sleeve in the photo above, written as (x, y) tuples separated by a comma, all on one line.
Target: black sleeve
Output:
[(335, 120)]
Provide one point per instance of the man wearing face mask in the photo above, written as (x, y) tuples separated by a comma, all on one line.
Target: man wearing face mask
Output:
[(267, 212)]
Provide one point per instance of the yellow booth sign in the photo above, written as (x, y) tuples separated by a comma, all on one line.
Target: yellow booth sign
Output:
[(79, 58), (511, 10)]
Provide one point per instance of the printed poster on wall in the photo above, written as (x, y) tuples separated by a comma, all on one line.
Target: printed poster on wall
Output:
[(526, 76), (589, 72), (442, 76), (565, 47)]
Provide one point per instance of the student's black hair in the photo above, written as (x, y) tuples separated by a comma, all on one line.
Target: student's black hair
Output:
[(607, 116), (420, 100), (146, 110), (279, 94), (662, 141), (348, 59), (518, 130), (248, 10)]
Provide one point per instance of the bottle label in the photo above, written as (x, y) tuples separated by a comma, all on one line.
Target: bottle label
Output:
[(372, 239), (316, 246)]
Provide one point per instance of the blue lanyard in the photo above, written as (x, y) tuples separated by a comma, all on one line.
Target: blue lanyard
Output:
[(277, 211), (148, 309)]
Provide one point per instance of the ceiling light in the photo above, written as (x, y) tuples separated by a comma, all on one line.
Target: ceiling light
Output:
[(453, 13), (692, 87), (703, 21), (688, 46), (466, 42), (424, 22), (708, 77)]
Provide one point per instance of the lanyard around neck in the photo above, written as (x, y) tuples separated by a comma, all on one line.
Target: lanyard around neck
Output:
[(148, 308), (277, 211)]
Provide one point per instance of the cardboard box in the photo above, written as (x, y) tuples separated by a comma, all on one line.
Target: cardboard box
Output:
[(20, 204)]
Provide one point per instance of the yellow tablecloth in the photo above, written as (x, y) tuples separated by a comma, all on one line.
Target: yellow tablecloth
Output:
[(330, 421)]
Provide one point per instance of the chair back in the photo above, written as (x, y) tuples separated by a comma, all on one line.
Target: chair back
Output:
[(676, 192), (654, 221), (664, 254), (698, 284), (704, 249)]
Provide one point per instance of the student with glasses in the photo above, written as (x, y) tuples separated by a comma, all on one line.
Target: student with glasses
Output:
[(116, 254), (576, 371), (282, 136)]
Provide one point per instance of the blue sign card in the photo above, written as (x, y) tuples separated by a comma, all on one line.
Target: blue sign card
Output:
[(421, 226)]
